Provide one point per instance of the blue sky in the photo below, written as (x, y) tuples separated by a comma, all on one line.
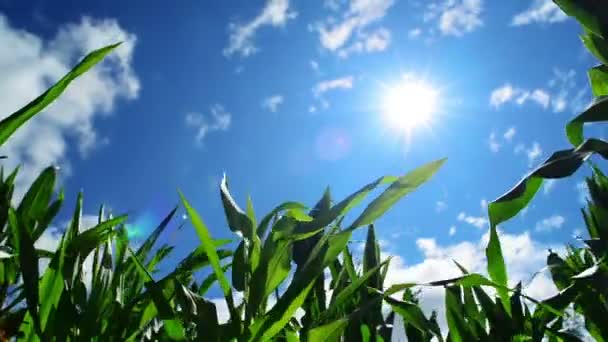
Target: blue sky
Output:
[(286, 97)]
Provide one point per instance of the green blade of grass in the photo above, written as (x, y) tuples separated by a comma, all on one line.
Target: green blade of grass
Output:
[(403, 186), (10, 124)]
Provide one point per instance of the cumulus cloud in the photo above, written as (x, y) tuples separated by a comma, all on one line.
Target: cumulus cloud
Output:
[(507, 93), (541, 11), (241, 41), (272, 103), (351, 33), (476, 221), (35, 63), (523, 257), (452, 231), (550, 223), (218, 119), (455, 17)]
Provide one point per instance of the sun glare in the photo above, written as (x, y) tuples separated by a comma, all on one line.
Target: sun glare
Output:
[(410, 104)]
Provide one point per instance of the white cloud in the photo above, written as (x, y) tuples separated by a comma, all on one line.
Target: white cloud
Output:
[(502, 95), (335, 35), (272, 103), (217, 120), (534, 153), (523, 257), (455, 17), (566, 92), (452, 231), (508, 93), (460, 18), (548, 186), (550, 223), (276, 13), (509, 134), (541, 11), (493, 143), (441, 206), (378, 40), (476, 221), (541, 97), (338, 83), (34, 64)]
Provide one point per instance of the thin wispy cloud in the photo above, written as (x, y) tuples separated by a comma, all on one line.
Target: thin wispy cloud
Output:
[(328, 85), (241, 41), (541, 11), (273, 102), (351, 33), (550, 223), (452, 231), (218, 119)]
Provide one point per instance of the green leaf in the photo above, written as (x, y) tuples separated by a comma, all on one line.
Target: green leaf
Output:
[(36, 200), (403, 186), (239, 267), (459, 329), (83, 244), (346, 294), (208, 245), (496, 266), (28, 262), (412, 314), (597, 112), (560, 165), (146, 246), (591, 14), (238, 221), (263, 226), (328, 332), (596, 45), (371, 257), (273, 268), (10, 124), (251, 212), (598, 77)]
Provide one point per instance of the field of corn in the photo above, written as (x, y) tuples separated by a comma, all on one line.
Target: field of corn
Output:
[(293, 265)]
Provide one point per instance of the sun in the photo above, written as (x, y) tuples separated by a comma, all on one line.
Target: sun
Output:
[(410, 104)]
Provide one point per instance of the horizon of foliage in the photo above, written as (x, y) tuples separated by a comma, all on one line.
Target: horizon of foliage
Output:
[(293, 266)]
